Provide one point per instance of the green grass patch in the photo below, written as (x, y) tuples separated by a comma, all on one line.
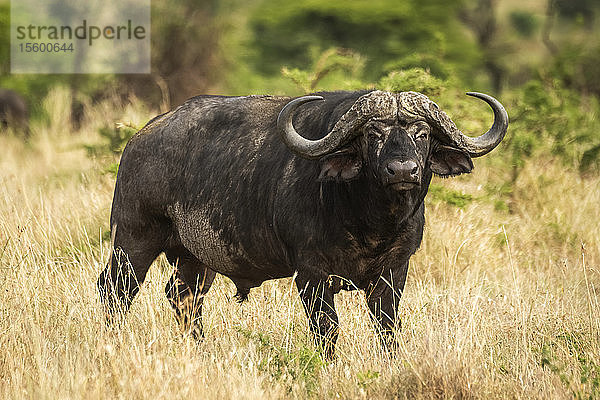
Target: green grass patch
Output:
[(440, 194), (300, 365)]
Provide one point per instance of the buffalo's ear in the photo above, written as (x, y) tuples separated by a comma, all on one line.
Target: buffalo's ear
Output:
[(449, 161), (342, 165)]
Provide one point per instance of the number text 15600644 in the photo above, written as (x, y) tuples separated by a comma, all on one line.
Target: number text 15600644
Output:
[(45, 47)]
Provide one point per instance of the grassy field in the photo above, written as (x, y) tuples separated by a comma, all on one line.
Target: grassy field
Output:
[(501, 300)]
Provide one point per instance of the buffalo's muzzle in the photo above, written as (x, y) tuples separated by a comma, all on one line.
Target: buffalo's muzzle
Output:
[(402, 175)]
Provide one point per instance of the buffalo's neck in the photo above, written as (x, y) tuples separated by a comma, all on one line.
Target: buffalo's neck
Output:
[(375, 226), (366, 208)]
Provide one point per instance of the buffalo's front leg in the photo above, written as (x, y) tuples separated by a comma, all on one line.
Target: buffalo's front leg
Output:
[(383, 298), (320, 309)]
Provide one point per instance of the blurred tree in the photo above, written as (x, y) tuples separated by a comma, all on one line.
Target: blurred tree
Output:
[(576, 66), (186, 59), (384, 31), (4, 38), (577, 9), (523, 22), (415, 79), (574, 57), (482, 20), (329, 61)]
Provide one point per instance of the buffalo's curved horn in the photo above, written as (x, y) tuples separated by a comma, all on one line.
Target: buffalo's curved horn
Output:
[(367, 106), (481, 145), (298, 144), (412, 104)]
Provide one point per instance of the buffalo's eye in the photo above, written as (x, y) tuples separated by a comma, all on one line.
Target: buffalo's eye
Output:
[(420, 130)]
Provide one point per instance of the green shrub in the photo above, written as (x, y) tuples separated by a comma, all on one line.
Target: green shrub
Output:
[(414, 79), (439, 194), (524, 22), (288, 33), (546, 116)]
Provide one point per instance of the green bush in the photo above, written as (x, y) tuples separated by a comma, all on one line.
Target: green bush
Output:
[(576, 66), (414, 79), (114, 139), (524, 22), (548, 116), (332, 62)]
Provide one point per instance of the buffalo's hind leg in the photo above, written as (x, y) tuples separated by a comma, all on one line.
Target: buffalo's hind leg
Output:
[(129, 262), (317, 299), (186, 289)]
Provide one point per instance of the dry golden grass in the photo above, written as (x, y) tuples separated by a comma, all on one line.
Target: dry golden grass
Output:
[(501, 300)]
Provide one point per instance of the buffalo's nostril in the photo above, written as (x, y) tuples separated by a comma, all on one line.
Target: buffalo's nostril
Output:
[(402, 171)]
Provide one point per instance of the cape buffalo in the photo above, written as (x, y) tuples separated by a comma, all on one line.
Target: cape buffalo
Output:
[(227, 185)]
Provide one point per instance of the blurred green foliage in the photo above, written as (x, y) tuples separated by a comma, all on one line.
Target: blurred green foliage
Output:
[(115, 138), (413, 79), (186, 56), (290, 33), (577, 9), (540, 59), (548, 116), (524, 22), (576, 67), (330, 62), (34, 87), (113, 141)]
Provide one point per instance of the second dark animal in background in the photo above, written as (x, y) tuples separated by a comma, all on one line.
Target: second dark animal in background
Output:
[(13, 111)]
